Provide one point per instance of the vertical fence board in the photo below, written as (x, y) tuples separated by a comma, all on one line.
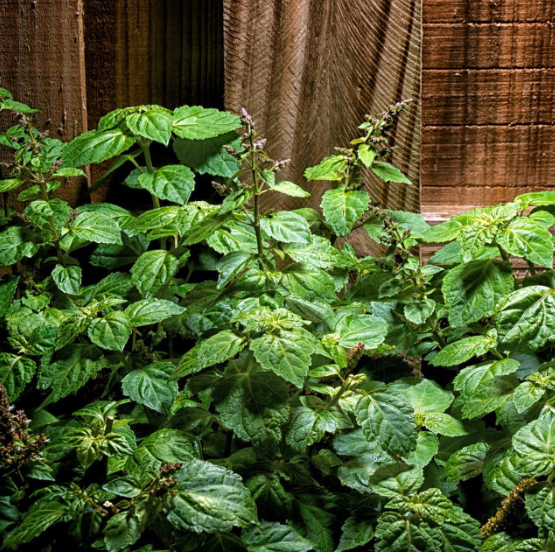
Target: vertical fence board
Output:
[(42, 63), (308, 71), (488, 92)]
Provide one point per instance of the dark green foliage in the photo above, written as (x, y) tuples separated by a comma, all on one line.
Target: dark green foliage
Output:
[(207, 376)]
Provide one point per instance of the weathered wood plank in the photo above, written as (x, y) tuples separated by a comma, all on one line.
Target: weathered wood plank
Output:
[(488, 45), (462, 11), (42, 63), (441, 203), (493, 96), (487, 156), (309, 70)]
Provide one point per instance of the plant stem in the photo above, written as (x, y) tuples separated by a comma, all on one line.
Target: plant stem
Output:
[(44, 195), (256, 189)]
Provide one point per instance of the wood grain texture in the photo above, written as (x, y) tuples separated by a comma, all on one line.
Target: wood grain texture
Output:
[(488, 102), (510, 156), (309, 70), (486, 46), (464, 11), (492, 96), (42, 63)]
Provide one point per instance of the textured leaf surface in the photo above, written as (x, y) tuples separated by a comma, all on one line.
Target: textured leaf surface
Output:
[(172, 182), (274, 537), (389, 419), (95, 146), (211, 499), (111, 332), (342, 208), (199, 123), (15, 373)]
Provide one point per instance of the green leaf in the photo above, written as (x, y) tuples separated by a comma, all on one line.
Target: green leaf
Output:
[(172, 182), (214, 350), (473, 290), (153, 125), (525, 237), (355, 533), (526, 318), (10, 184), (74, 365), (69, 173), (39, 519), (318, 252), (122, 531), (152, 270), (535, 198), (289, 189), (94, 147), (15, 243), (396, 533), (111, 332), (210, 499), (526, 395), (210, 156), (150, 387), (330, 169), (444, 424), (464, 349), (366, 154), (254, 406), (419, 310), (465, 463), (426, 448), (357, 473), (490, 396), (342, 208), (274, 537), (391, 480), (317, 523), (17, 106), (97, 228), (469, 379), (540, 505), (389, 173), (199, 123), (535, 444), (151, 311), (67, 278), (388, 418), (269, 494), (359, 328), (427, 396), (286, 227), (163, 446), (460, 532), (308, 283), (15, 373), (7, 292), (288, 355)]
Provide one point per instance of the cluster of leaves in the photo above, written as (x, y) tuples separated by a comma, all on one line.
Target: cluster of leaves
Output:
[(216, 377)]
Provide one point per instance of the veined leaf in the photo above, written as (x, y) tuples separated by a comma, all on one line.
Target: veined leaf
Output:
[(535, 444), (151, 124), (394, 479), (289, 189), (466, 463), (360, 328), (111, 332), (288, 355), (526, 318), (209, 155), (528, 238), (389, 173), (254, 405), (97, 228), (274, 537), (331, 168), (540, 505), (396, 533), (210, 499), (73, 366), (38, 520), (199, 123), (95, 146), (151, 311), (388, 418), (427, 396), (172, 182), (67, 278), (150, 387), (464, 349), (15, 373), (355, 533), (286, 227), (342, 208), (154, 269), (214, 350), (472, 290)]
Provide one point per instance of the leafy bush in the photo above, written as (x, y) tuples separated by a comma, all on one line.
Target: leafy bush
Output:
[(209, 376)]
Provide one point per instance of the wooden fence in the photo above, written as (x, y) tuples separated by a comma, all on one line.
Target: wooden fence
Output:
[(481, 75)]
